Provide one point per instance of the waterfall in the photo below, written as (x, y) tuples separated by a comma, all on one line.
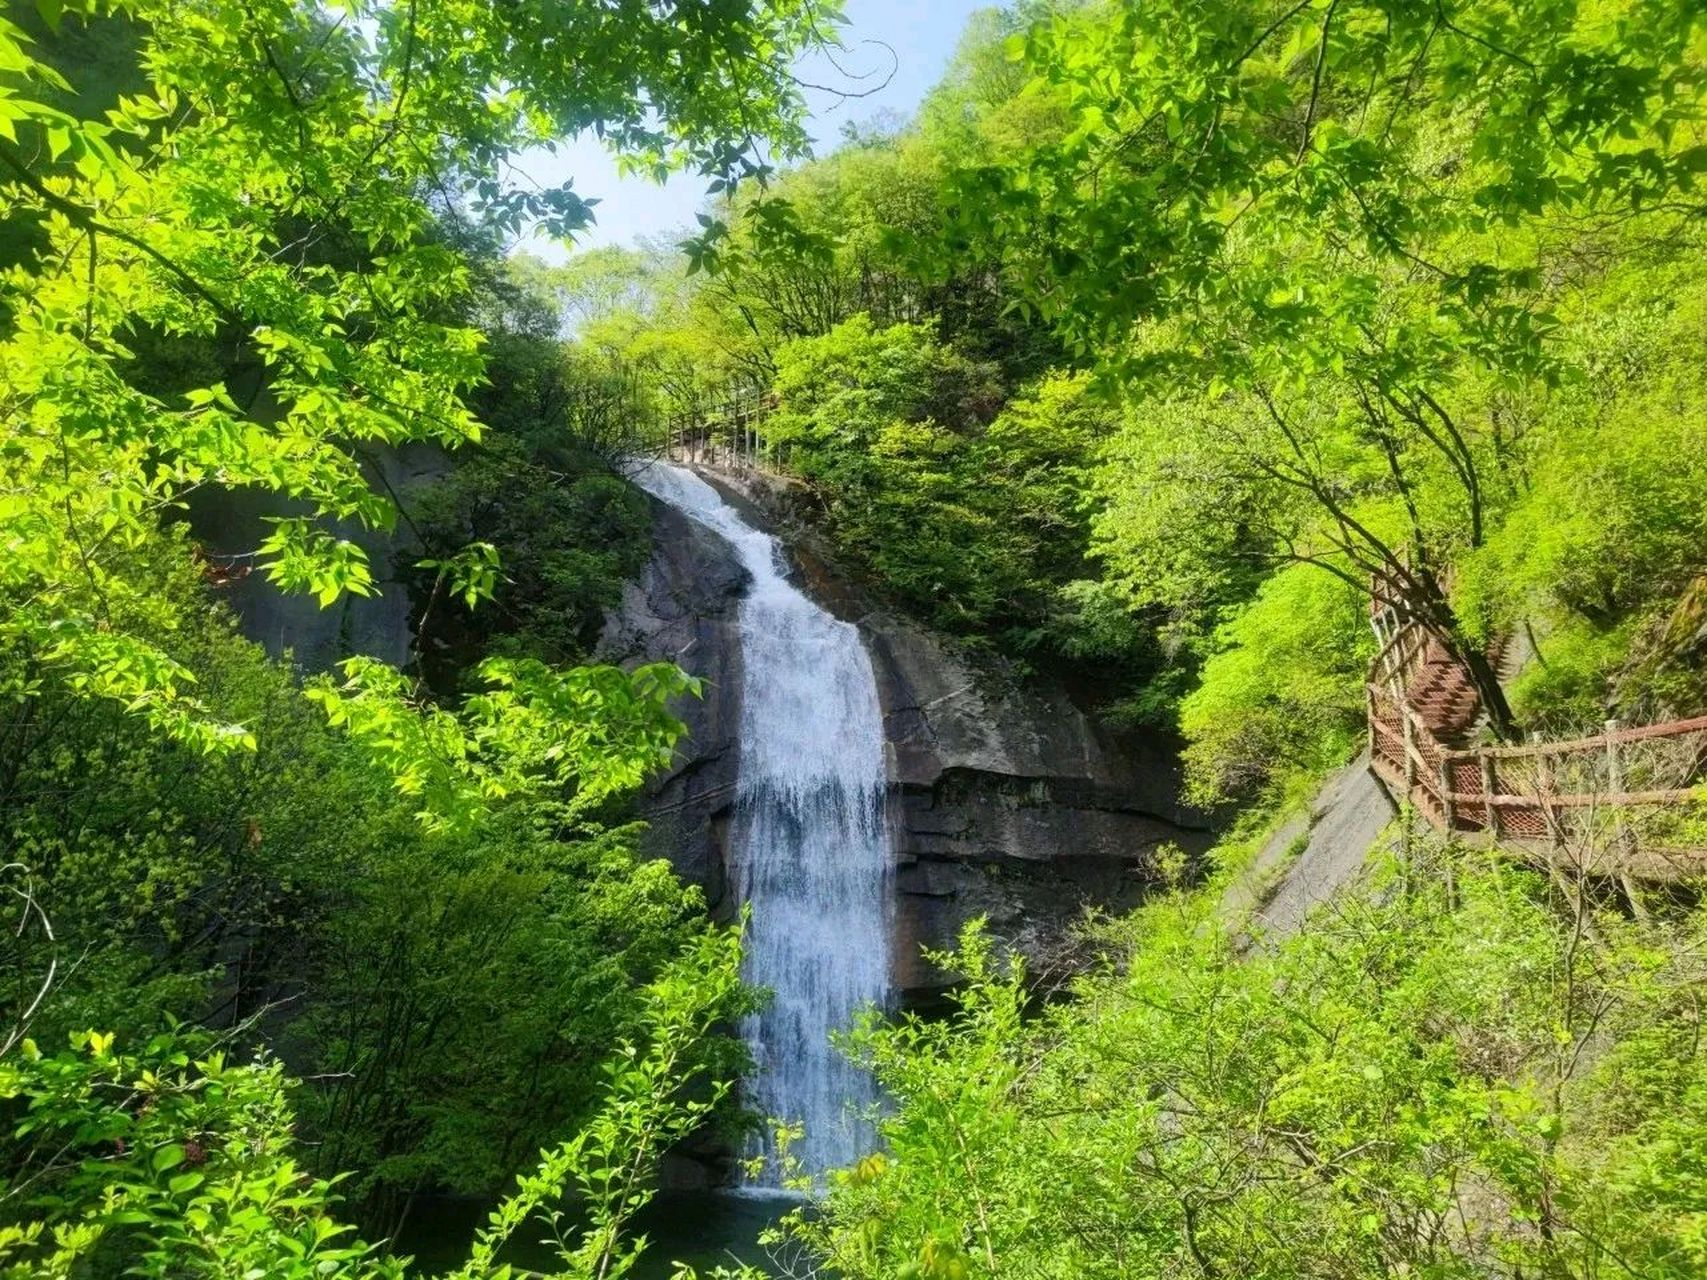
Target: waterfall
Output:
[(809, 845)]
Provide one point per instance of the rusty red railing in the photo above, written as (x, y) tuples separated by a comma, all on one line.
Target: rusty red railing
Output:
[(1621, 802)]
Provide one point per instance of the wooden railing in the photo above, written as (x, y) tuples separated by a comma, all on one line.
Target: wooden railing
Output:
[(727, 435), (1614, 803)]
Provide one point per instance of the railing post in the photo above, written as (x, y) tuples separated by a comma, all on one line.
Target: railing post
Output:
[(1450, 808), (1490, 810), (1615, 787), (1622, 838), (1369, 716), (1544, 788), (1614, 766), (1410, 741)]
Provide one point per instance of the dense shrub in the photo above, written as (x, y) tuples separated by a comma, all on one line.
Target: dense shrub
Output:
[(567, 536), (1450, 1072), (1607, 535), (1282, 692), (964, 505), (295, 884)]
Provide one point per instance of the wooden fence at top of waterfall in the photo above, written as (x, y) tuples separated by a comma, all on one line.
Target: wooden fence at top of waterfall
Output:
[(1616, 803), (729, 434)]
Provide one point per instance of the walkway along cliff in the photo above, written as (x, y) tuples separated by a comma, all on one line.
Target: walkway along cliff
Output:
[(1598, 805)]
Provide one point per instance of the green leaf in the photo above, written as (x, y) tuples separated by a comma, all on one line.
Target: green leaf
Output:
[(167, 1157)]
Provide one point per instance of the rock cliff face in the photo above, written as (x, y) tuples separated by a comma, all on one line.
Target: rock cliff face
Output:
[(233, 522), (1006, 800), (1009, 804), (682, 609)]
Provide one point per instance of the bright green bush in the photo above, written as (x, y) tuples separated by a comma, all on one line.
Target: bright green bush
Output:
[(297, 878), (164, 1160), (1282, 691), (967, 507), (1442, 1075), (886, 422), (1608, 532), (171, 1161)]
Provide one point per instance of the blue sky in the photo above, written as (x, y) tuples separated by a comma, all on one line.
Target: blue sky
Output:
[(923, 35)]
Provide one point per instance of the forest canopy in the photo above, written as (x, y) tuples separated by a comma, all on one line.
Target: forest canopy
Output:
[(1159, 348), (249, 252), (1343, 286)]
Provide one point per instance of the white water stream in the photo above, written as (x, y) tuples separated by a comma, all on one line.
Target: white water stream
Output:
[(809, 844)]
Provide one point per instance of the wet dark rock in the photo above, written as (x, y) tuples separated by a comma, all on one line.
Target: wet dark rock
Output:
[(682, 609), (1007, 801)]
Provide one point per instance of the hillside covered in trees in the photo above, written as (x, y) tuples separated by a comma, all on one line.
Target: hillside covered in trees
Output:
[(1160, 349)]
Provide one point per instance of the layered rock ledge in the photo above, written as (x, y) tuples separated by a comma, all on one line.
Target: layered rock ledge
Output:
[(1007, 801)]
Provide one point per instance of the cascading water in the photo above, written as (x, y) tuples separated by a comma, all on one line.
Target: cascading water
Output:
[(809, 844)]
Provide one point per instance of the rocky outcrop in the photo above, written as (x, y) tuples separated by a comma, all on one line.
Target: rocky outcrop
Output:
[(1007, 801), (231, 523), (1010, 803), (682, 609)]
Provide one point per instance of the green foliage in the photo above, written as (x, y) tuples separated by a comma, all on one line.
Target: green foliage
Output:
[(1606, 536), (169, 1161), (193, 210), (861, 231), (884, 420), (462, 994), (967, 510), (586, 732), (1283, 688), (1328, 130), (1320, 244), (166, 1160), (648, 1105), (141, 846), (855, 232), (1447, 1082), (531, 535), (564, 542), (179, 885)]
